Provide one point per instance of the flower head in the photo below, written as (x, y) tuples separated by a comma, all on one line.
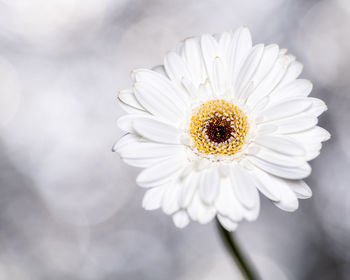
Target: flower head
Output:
[(221, 121)]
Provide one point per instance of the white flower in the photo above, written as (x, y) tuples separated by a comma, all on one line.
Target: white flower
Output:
[(220, 121)]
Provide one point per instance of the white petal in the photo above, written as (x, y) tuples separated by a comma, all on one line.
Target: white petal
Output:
[(233, 48), (278, 158), (249, 68), (142, 162), (312, 146), (140, 153), (265, 185), (205, 90), (283, 51), (227, 203), (170, 200), (201, 164), (317, 108), (282, 144), (252, 149), (300, 188), (176, 68), (226, 50), (209, 185), (219, 76), (244, 187), (312, 154), (161, 172), (156, 131), (288, 202), (181, 219), (131, 150), (266, 128), (267, 61), (293, 72), (261, 104), (210, 50), (293, 173), (313, 135), (160, 82), (225, 44), (192, 55), (144, 150), (189, 188), (285, 108), (253, 213), (299, 87), (200, 212), (295, 124), (241, 46), (246, 91), (156, 102), (126, 122), (131, 110), (224, 170), (124, 141), (153, 198), (227, 223), (128, 97), (270, 81)]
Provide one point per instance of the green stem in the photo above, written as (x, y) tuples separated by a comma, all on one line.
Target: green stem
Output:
[(246, 268)]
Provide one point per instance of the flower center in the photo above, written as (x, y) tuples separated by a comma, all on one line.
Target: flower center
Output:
[(218, 127)]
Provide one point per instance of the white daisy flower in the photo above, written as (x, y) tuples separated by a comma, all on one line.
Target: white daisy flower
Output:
[(221, 120)]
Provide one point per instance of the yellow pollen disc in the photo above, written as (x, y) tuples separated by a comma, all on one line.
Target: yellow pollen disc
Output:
[(218, 127)]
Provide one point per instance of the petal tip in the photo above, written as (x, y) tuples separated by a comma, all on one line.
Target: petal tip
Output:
[(181, 219)]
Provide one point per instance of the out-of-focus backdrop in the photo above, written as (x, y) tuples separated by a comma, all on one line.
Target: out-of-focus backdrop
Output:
[(70, 209)]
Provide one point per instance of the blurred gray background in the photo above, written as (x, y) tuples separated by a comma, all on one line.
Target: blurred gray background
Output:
[(70, 209)]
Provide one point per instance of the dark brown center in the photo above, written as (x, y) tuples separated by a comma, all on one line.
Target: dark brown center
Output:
[(219, 130)]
